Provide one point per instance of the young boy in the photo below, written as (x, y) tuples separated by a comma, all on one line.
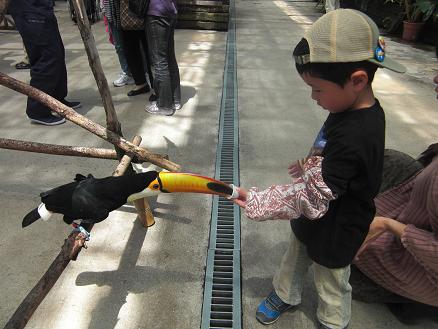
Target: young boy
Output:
[(331, 196)]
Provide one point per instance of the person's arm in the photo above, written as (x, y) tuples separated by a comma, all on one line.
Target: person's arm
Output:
[(378, 226), (421, 244), (395, 227), (308, 195)]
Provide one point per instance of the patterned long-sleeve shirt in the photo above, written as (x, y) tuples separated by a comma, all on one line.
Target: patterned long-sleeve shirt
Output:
[(408, 266), (307, 195)]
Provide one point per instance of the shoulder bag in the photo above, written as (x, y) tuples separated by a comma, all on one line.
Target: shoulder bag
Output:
[(129, 20)]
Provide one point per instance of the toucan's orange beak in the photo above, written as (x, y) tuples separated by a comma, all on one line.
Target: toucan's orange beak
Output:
[(171, 182), (182, 182)]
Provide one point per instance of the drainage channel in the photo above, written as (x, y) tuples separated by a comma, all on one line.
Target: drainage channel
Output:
[(222, 295)]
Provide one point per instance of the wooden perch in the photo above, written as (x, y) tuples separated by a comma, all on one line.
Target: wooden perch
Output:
[(56, 106), (80, 151), (96, 67), (126, 160), (87, 152), (69, 251), (143, 209), (74, 243)]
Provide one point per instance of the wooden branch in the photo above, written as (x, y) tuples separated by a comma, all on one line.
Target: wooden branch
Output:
[(80, 151), (144, 211), (141, 153), (26, 309), (125, 161), (112, 122), (87, 152), (69, 251), (74, 243)]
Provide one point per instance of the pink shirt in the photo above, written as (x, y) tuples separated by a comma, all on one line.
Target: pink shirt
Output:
[(408, 266)]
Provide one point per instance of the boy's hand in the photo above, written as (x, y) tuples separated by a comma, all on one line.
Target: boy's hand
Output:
[(295, 169), (241, 200), (377, 227)]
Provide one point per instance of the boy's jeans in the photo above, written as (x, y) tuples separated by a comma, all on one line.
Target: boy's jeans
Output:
[(334, 291)]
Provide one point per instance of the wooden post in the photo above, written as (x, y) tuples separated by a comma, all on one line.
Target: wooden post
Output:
[(115, 139), (145, 215), (66, 150), (69, 251), (87, 152), (144, 211), (112, 122)]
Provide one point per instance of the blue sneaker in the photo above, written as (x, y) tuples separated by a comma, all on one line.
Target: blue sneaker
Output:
[(271, 308)]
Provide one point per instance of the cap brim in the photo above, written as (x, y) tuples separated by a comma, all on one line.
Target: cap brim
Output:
[(390, 64)]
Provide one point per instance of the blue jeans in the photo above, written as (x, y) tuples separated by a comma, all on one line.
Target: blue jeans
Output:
[(160, 34), (119, 48)]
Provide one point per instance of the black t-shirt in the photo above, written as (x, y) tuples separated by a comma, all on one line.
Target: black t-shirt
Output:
[(352, 144)]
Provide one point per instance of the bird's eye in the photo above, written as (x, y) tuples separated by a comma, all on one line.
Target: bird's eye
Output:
[(156, 186)]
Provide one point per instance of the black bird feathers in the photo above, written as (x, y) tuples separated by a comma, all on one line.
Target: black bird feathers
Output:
[(91, 199)]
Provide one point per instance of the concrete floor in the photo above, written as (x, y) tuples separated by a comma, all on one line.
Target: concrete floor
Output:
[(135, 278)]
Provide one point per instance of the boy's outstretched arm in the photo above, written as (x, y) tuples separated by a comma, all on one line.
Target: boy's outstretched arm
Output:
[(308, 195)]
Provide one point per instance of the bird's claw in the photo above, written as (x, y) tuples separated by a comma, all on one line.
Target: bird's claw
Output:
[(82, 240), (83, 233)]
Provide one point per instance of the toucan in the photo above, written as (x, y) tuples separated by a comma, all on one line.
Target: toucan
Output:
[(92, 199)]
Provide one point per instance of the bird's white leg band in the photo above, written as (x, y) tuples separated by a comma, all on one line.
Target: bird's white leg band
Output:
[(44, 213), (235, 193)]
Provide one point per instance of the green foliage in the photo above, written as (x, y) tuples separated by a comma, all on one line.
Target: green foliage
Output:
[(418, 10), (426, 9)]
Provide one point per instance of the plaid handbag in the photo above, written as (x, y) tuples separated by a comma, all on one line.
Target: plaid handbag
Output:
[(129, 20)]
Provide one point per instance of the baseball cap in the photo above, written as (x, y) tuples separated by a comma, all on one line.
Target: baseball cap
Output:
[(346, 35)]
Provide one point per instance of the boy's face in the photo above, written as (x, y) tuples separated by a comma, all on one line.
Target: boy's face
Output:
[(329, 95)]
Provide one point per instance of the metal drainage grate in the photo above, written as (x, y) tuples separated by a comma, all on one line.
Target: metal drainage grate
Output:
[(222, 295)]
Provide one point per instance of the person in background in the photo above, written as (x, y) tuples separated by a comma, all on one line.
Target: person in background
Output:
[(38, 27), (160, 29), (136, 50), (111, 10)]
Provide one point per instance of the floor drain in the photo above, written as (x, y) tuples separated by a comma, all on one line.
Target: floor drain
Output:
[(222, 295)]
